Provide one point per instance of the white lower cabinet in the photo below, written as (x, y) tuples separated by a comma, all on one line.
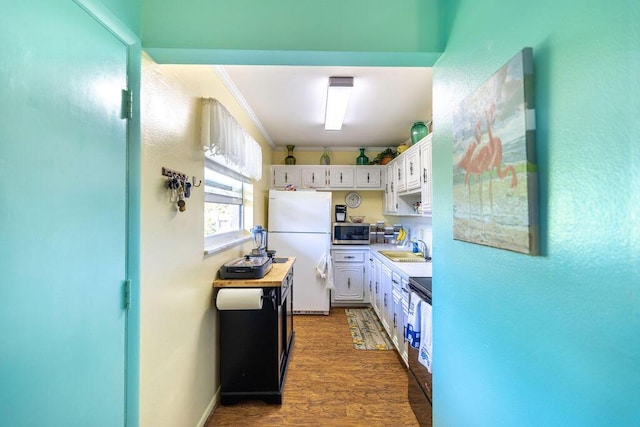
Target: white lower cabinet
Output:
[(349, 275), (374, 277), (401, 312), (388, 291), (387, 299)]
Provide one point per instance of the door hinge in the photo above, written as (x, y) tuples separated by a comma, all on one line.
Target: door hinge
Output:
[(127, 104), (127, 294)]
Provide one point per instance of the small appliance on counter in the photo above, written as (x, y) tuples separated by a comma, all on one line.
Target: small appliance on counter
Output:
[(247, 267), (341, 213), (259, 235), (349, 233), (254, 265)]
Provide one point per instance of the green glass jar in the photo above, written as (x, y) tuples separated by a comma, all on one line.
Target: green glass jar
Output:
[(418, 131), (325, 159), (290, 160), (362, 159)]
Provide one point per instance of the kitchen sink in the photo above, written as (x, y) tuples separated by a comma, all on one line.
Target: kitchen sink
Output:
[(403, 256)]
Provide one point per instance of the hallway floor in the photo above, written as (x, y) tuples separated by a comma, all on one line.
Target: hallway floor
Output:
[(330, 383)]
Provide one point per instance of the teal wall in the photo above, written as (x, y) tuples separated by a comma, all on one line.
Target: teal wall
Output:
[(127, 11), (42, 259), (331, 32), (553, 339)]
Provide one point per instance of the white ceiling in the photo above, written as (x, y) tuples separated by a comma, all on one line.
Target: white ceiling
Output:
[(289, 103)]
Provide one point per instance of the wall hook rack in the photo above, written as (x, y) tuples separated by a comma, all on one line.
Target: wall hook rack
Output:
[(180, 187)]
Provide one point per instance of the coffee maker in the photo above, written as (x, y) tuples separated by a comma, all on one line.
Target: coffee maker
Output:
[(341, 213), (259, 235)]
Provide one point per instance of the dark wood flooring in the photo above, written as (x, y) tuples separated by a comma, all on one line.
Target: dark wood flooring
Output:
[(330, 383)]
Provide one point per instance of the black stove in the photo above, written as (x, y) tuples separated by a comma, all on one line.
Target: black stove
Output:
[(421, 285)]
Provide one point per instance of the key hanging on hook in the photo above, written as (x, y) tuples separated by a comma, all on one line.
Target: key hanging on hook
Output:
[(182, 205)]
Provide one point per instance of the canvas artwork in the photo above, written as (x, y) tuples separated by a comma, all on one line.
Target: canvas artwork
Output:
[(494, 170)]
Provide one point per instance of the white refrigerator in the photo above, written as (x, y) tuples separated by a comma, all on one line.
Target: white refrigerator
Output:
[(300, 225)]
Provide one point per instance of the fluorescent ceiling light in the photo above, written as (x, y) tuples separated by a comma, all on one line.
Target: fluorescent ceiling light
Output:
[(338, 94)]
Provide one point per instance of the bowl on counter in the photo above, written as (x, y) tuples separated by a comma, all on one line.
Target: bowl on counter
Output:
[(356, 219)]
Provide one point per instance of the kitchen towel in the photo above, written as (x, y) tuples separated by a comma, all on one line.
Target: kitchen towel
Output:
[(412, 334), (324, 270), (239, 299), (424, 353)]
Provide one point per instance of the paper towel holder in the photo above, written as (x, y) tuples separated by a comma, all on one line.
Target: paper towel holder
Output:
[(271, 296)]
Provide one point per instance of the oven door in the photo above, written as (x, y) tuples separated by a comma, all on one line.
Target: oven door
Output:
[(420, 379)]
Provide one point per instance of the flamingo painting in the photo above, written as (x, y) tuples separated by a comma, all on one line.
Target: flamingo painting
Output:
[(493, 130), (480, 157)]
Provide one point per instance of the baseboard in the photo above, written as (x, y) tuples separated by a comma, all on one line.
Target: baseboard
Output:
[(210, 408)]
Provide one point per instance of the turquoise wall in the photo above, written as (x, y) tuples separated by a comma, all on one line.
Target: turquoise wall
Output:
[(48, 340), (127, 11), (332, 32), (553, 339)]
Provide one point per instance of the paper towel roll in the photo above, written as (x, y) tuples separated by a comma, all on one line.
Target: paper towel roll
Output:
[(239, 299)]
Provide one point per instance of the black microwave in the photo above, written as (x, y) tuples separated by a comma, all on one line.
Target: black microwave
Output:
[(348, 233)]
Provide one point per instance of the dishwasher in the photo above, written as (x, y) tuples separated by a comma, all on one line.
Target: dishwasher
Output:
[(420, 379)]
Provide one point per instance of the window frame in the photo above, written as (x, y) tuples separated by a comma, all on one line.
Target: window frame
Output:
[(221, 241)]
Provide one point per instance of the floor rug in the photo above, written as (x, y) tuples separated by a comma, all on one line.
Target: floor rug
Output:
[(366, 330)]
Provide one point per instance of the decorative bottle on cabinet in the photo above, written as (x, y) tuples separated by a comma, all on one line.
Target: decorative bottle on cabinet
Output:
[(362, 159), (418, 131), (325, 159), (290, 160)]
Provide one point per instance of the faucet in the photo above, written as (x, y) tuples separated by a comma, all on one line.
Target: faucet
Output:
[(425, 250)]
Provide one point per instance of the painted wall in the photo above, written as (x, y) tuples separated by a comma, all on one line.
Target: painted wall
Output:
[(178, 359), (360, 32), (61, 87), (126, 10), (553, 339)]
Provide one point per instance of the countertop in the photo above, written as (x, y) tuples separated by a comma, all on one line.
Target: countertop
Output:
[(272, 279), (411, 269)]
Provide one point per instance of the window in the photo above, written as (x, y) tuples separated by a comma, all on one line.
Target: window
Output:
[(225, 192)]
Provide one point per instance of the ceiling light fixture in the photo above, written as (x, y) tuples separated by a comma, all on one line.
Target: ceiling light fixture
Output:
[(338, 94)]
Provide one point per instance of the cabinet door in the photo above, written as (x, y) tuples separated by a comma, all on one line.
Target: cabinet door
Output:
[(391, 198), (386, 304), (376, 297), (404, 346), (368, 177), (426, 186), (399, 171), (314, 177), (349, 282), (285, 175), (412, 171), (341, 177)]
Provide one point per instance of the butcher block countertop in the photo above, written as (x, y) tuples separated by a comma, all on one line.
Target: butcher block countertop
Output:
[(273, 278)]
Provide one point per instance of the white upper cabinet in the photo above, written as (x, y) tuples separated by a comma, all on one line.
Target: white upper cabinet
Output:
[(408, 183), (426, 175), (399, 174), (285, 175), (369, 177), (338, 177), (314, 176), (341, 177), (412, 168)]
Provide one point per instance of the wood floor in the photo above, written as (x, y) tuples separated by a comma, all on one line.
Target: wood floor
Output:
[(330, 383)]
